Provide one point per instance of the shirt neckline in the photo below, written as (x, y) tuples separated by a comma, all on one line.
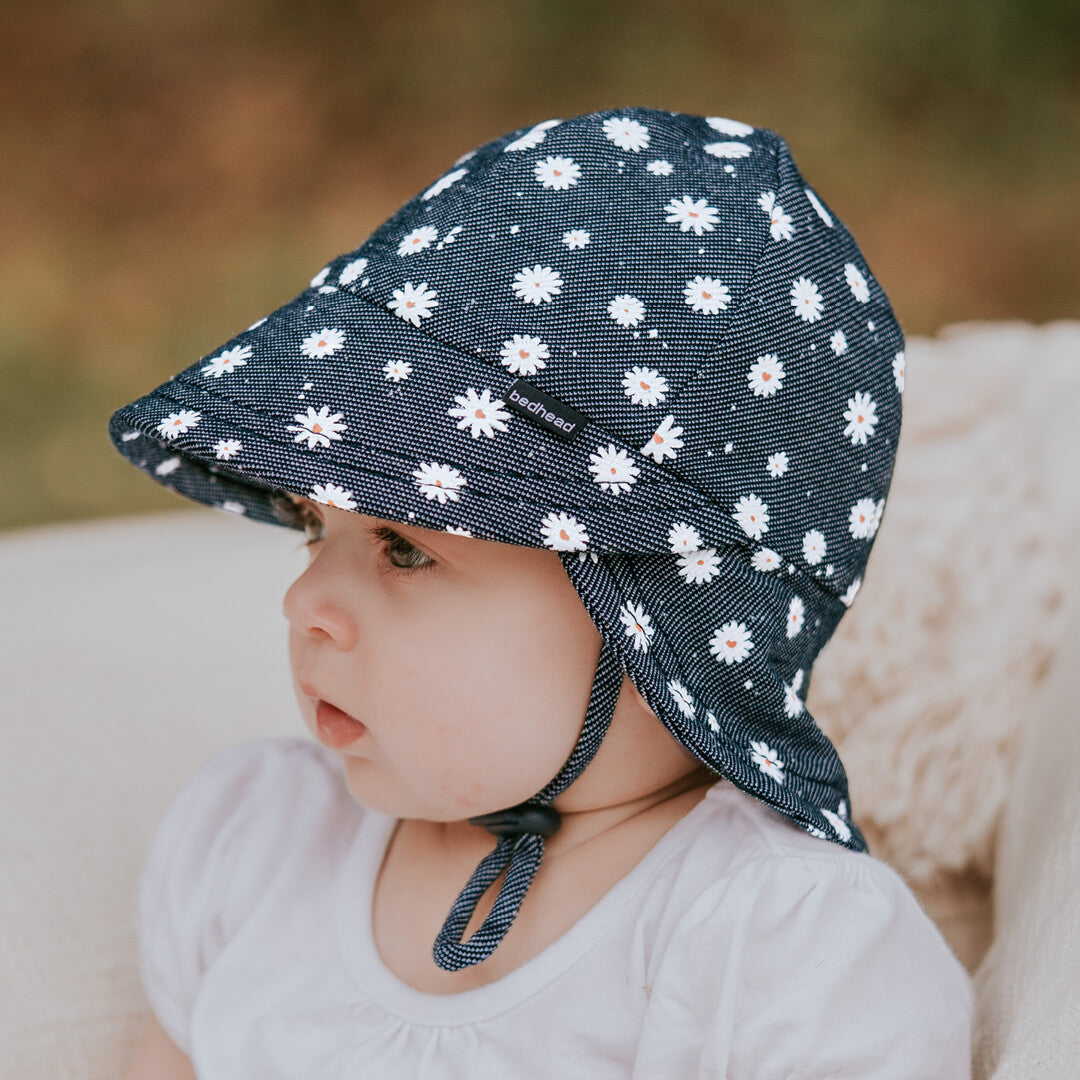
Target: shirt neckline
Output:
[(378, 982)]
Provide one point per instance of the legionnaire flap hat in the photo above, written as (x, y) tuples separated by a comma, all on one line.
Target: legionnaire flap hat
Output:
[(636, 338)]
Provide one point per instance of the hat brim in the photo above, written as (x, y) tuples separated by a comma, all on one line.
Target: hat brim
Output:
[(389, 446)]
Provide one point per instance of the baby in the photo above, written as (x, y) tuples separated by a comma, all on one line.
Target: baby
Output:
[(590, 442)]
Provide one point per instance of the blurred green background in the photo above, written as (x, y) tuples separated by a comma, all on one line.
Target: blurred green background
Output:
[(172, 171)]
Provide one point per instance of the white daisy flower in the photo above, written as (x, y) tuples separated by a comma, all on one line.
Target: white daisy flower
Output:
[(479, 413), (524, 355), (561, 532), (320, 277), (333, 495), (533, 137), (727, 149), (694, 214), (699, 567), (324, 342), (793, 704), (863, 519), (612, 469), (838, 343), (637, 624), (417, 240), (457, 530), (660, 167), (898, 371), (442, 184), (795, 616), (537, 284), (767, 760), (806, 300), (664, 441), (838, 824), (227, 448), (857, 283), (179, 423), (437, 481), (861, 416), (317, 427), (752, 515), (413, 303), (557, 173), (626, 310), (731, 643), (815, 202), (851, 591), (234, 507), (766, 375), (813, 830), (170, 465), (766, 559), (575, 238), (644, 386), (707, 295), (351, 271), (780, 224), (396, 370), (228, 361), (683, 537), (777, 464), (625, 133), (813, 546), (682, 697), (728, 127)]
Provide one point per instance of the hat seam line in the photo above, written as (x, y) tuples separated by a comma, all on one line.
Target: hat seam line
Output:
[(195, 457)]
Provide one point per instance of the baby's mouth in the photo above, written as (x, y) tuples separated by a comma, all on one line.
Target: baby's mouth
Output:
[(336, 729)]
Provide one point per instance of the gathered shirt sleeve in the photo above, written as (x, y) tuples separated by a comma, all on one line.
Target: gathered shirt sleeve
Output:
[(202, 875), (809, 967)]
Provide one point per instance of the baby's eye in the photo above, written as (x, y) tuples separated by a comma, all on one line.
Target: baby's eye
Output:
[(410, 557)]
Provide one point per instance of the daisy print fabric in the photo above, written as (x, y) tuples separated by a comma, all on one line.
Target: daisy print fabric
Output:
[(634, 338)]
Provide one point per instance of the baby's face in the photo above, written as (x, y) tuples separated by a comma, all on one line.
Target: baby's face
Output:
[(469, 662)]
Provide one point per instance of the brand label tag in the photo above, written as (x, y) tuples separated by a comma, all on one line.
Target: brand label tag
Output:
[(547, 411)]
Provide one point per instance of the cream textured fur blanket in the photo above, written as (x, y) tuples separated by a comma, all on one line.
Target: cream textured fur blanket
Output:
[(962, 605), (125, 662)]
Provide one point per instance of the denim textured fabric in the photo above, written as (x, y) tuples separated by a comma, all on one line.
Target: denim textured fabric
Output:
[(635, 337)]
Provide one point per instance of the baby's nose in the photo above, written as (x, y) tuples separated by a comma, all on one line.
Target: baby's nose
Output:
[(312, 608)]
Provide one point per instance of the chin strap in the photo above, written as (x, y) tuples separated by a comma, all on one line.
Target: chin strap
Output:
[(521, 830)]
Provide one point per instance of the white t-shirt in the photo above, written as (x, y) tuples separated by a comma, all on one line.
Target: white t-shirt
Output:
[(738, 947)]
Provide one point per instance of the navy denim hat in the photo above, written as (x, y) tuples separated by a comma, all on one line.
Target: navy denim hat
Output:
[(636, 338)]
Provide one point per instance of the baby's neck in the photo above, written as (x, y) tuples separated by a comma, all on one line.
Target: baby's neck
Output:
[(427, 863)]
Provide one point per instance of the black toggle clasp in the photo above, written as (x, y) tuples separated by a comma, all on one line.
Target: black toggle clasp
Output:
[(524, 818)]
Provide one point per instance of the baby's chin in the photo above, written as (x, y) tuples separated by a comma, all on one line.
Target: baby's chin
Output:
[(368, 787)]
